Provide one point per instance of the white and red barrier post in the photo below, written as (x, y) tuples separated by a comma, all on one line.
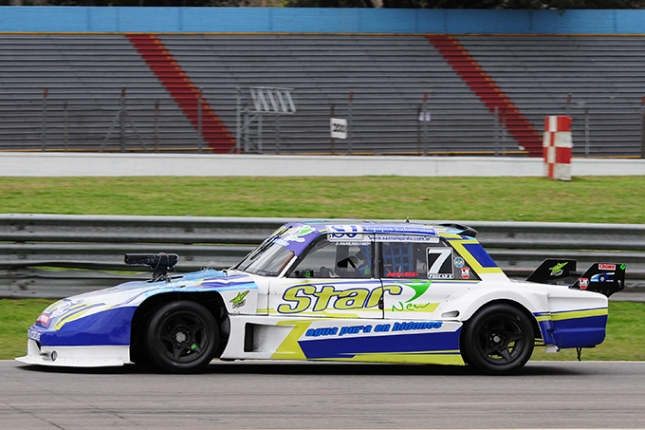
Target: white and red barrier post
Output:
[(557, 147)]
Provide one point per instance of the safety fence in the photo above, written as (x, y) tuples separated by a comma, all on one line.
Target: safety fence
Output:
[(57, 122), (59, 255)]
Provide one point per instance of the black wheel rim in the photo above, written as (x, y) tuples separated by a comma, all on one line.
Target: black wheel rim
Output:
[(500, 339), (183, 337)]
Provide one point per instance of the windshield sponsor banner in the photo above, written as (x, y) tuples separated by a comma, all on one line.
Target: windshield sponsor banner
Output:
[(400, 238), (364, 239), (349, 230), (297, 238)]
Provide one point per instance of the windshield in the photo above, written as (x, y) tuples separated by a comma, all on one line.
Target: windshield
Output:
[(267, 260)]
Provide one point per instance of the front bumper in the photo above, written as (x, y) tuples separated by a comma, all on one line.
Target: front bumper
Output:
[(76, 356)]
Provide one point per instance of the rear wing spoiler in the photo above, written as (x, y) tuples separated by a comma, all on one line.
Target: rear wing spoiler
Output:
[(604, 278)]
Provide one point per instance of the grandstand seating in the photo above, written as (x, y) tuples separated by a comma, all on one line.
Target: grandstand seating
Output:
[(84, 76)]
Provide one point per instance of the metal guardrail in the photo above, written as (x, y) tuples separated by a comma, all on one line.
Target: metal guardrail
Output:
[(60, 255)]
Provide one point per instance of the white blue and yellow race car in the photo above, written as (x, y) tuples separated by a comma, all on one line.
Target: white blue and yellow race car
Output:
[(332, 291)]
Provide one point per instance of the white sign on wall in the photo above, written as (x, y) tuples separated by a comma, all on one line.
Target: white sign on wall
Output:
[(424, 116), (338, 128)]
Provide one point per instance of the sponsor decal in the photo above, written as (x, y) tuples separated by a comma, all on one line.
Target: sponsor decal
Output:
[(398, 238), (379, 328), (239, 300), (345, 233), (307, 297), (557, 269), (465, 273), (459, 262), (363, 233), (606, 266), (43, 319), (413, 307), (402, 274), (441, 276), (584, 283), (419, 287), (351, 243), (603, 277), (405, 326), (296, 234), (33, 335)]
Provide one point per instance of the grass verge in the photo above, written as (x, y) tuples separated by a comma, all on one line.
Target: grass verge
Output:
[(585, 199)]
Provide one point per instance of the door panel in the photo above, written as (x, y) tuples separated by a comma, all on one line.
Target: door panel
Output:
[(333, 279), (330, 297)]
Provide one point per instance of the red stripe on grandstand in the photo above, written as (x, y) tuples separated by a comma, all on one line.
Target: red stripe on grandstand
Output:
[(488, 92), (183, 91)]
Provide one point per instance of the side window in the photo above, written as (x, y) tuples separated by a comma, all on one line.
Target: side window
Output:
[(404, 260), (421, 260), (335, 260)]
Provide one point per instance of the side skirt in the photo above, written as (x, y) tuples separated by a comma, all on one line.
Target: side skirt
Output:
[(344, 339)]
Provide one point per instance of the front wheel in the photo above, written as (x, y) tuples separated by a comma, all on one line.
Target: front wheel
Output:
[(498, 340), (182, 337)]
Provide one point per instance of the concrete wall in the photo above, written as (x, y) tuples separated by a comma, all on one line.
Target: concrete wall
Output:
[(323, 20), (92, 164)]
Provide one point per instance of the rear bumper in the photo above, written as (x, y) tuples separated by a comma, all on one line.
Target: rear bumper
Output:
[(575, 331)]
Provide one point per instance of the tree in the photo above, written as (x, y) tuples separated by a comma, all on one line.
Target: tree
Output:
[(414, 4)]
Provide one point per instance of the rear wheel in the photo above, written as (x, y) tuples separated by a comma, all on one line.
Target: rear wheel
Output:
[(182, 337), (498, 340)]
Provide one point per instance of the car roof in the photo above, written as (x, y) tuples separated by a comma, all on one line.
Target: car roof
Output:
[(384, 227)]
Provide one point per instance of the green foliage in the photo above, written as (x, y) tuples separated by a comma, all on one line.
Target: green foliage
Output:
[(515, 4), (413, 4), (328, 3), (150, 3)]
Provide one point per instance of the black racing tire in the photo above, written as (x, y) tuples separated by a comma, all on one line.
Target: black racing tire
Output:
[(182, 337), (497, 340)]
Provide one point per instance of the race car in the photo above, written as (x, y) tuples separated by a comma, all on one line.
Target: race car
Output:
[(334, 291)]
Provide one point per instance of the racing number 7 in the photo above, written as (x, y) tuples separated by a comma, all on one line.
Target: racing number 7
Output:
[(436, 259)]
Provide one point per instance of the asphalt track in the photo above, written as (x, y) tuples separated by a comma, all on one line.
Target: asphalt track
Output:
[(271, 395)]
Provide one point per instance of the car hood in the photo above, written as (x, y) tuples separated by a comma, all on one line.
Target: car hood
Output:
[(132, 294)]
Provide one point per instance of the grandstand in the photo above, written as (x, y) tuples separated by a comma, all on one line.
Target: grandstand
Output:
[(141, 92)]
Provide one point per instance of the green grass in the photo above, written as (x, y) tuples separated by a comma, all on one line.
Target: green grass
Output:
[(16, 316), (585, 199), (625, 332)]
